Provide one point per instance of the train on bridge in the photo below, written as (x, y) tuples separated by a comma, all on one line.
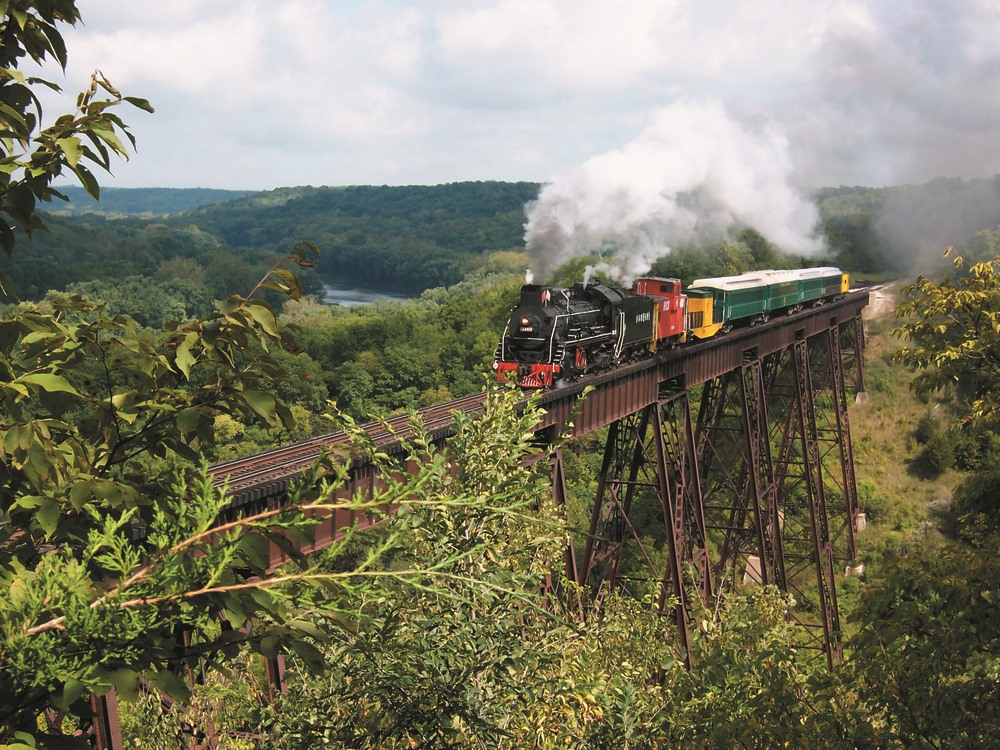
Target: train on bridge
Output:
[(556, 334)]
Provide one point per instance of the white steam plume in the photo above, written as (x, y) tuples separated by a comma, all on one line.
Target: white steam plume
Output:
[(690, 176)]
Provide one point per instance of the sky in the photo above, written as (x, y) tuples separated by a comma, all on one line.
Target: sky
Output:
[(259, 94)]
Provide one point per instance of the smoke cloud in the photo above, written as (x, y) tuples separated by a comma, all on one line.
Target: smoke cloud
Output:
[(919, 222), (693, 173)]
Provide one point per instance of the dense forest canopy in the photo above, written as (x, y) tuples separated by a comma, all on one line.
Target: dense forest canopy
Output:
[(405, 239), (399, 238)]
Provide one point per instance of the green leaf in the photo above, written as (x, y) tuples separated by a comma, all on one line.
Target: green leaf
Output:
[(288, 282), (73, 690), (18, 388), (309, 629), (126, 682), (108, 135), (88, 181), (264, 317), (20, 206), (183, 358), (257, 550), (108, 491), (187, 419), (261, 402), (72, 149), (142, 104), (47, 516), (18, 438), (309, 654), (169, 683), (270, 646), (81, 493), (50, 382)]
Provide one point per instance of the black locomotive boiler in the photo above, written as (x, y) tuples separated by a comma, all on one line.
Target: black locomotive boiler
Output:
[(556, 333)]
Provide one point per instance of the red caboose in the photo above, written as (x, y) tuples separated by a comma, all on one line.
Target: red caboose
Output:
[(671, 307)]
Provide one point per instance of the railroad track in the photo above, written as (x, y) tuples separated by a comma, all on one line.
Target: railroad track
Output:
[(247, 477)]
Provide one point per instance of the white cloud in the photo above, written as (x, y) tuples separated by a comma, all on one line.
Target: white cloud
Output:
[(588, 44), (374, 91)]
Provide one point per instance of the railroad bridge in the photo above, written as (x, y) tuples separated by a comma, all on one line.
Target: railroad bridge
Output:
[(743, 441), (757, 484)]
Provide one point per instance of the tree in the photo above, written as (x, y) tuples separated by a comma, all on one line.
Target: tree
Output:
[(32, 156), (149, 302), (99, 429), (97, 438), (952, 329), (926, 658)]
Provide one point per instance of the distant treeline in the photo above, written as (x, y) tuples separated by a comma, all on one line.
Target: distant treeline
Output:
[(139, 201), (395, 238), (408, 239)]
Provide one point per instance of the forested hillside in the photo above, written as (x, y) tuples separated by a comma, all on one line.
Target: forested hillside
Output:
[(408, 239), (395, 238), (404, 239), (899, 230)]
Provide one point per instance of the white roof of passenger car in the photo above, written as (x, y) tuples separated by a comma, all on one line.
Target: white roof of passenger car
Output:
[(762, 278)]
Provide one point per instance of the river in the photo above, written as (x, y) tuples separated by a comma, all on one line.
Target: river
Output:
[(349, 296)]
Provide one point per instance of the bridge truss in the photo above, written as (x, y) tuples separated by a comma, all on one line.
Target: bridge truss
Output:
[(744, 448)]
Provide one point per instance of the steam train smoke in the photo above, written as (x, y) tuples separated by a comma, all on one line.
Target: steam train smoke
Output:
[(690, 176)]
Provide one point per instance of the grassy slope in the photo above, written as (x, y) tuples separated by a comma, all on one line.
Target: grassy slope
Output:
[(902, 503)]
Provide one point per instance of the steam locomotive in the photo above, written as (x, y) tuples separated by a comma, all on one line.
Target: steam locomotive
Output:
[(556, 334)]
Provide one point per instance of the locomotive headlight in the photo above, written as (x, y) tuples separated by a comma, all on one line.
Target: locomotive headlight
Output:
[(525, 321)]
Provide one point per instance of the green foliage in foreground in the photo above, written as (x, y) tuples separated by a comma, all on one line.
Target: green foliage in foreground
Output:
[(454, 645), (33, 155), (927, 660), (432, 633), (95, 421)]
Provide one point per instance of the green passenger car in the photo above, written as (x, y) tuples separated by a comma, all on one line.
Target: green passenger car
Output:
[(755, 296), (737, 297), (818, 283)]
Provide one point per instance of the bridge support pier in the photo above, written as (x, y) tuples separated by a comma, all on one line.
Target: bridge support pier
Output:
[(104, 730), (650, 465)]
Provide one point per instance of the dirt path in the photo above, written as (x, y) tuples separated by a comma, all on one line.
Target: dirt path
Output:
[(881, 301)]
